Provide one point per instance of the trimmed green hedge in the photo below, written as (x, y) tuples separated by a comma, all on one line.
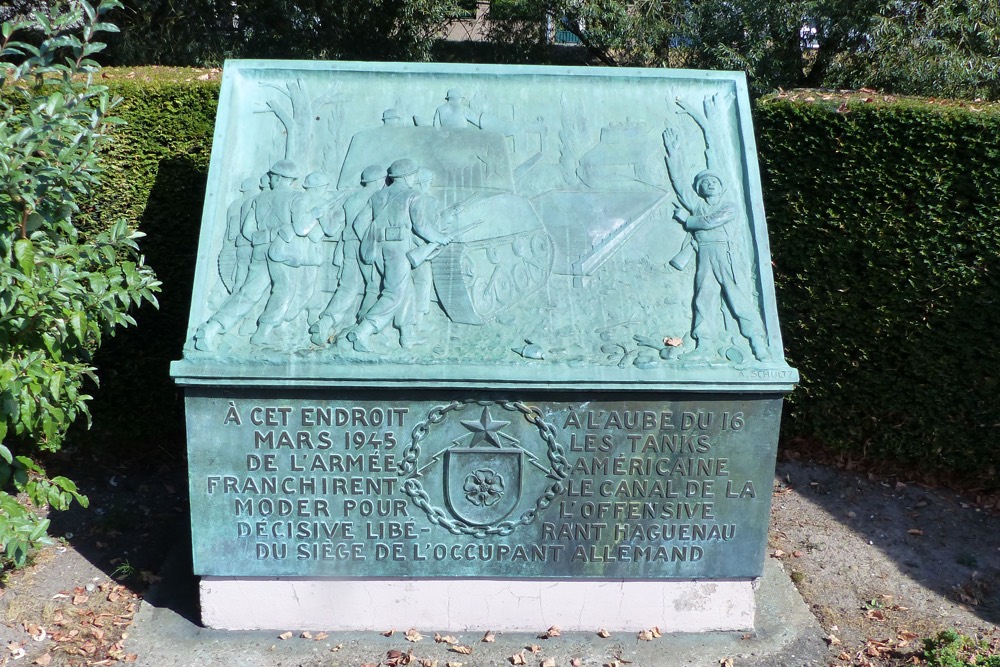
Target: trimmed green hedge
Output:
[(155, 173), (883, 222), (884, 236)]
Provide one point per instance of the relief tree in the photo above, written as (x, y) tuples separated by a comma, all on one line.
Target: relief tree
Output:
[(61, 290)]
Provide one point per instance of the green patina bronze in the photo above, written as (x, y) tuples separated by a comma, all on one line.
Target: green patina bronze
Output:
[(503, 259)]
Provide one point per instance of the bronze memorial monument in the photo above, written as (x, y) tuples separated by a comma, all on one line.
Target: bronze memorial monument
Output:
[(481, 332)]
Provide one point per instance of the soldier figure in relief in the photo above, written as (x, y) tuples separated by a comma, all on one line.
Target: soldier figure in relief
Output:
[(356, 279), (711, 219), (427, 208), (391, 118), (234, 261), (453, 115), (272, 209), (294, 255), (325, 205), (394, 220)]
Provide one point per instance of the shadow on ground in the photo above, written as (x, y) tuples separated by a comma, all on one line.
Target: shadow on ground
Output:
[(872, 554), (136, 521)]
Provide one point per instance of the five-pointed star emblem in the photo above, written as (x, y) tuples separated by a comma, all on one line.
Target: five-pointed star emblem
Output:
[(485, 430)]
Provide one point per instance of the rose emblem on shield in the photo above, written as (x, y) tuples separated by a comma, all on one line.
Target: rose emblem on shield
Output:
[(483, 487)]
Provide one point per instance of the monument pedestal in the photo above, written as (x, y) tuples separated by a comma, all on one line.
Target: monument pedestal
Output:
[(518, 605)]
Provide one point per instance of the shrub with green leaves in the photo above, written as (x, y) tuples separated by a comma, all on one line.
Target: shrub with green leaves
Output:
[(952, 649), (61, 290)]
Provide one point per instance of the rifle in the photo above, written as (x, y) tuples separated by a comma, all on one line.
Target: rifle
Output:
[(429, 251)]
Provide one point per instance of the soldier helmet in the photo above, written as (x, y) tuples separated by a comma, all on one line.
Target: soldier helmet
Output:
[(286, 168), (372, 173), (401, 168), (702, 176), (390, 114), (316, 179), (454, 94), (249, 184)]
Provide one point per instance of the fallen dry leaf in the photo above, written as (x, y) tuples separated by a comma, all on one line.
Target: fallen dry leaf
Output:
[(778, 553), (915, 531), (394, 658), (306, 635), (461, 648), (603, 634), (489, 637), (534, 648), (646, 636), (551, 632), (876, 648), (336, 648), (748, 635), (320, 636), (285, 635), (426, 662), (43, 659), (445, 639), (518, 659), (453, 664), (368, 664), (413, 636), (832, 640), (548, 662), (726, 662), (388, 633), (844, 655), (656, 632), (575, 662), (671, 341)]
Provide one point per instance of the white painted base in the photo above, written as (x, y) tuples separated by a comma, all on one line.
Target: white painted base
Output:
[(229, 603)]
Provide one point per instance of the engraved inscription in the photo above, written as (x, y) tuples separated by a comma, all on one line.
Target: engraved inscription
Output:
[(370, 489)]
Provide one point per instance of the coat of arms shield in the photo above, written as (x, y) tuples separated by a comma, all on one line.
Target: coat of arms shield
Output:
[(482, 486)]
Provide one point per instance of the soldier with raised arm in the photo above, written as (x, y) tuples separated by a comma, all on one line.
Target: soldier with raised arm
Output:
[(716, 241)]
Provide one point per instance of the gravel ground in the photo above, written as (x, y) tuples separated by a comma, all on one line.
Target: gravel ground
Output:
[(879, 563)]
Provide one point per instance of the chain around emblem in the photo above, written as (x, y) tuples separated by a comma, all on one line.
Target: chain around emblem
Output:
[(482, 470)]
